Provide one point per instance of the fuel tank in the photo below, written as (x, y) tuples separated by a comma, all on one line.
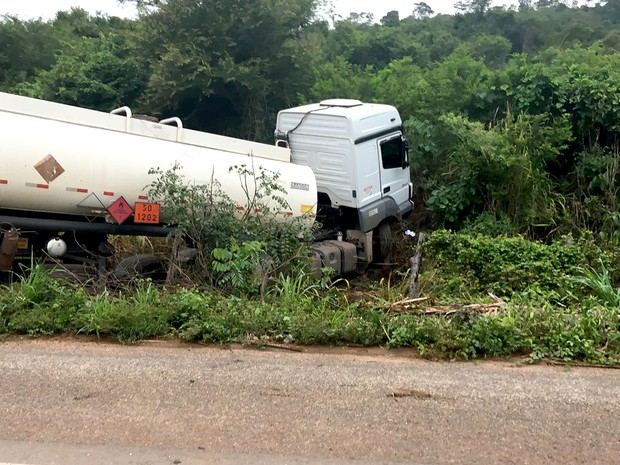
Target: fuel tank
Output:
[(59, 159)]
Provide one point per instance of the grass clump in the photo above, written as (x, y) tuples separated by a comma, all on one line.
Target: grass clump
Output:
[(38, 305)]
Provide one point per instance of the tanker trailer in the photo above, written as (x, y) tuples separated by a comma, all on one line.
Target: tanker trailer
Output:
[(69, 177)]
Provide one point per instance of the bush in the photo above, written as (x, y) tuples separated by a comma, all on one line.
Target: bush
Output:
[(474, 264), (236, 250), (39, 305)]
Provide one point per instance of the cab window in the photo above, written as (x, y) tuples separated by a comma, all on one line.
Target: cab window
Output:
[(392, 153)]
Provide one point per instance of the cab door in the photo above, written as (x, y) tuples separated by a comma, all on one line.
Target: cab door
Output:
[(394, 169)]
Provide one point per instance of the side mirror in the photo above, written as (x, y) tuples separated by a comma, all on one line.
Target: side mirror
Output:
[(405, 146)]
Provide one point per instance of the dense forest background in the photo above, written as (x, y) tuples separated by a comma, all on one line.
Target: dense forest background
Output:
[(513, 115)]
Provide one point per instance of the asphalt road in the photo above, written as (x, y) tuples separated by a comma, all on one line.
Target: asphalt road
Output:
[(86, 403)]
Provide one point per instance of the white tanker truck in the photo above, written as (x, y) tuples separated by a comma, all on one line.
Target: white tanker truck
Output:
[(69, 177)]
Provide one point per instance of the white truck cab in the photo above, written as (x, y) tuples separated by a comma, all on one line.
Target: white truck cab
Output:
[(359, 155)]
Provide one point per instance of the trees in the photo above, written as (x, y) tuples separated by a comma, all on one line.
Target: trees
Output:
[(421, 10), (25, 47), (226, 66), (76, 58), (391, 19), (473, 6), (490, 77), (97, 73)]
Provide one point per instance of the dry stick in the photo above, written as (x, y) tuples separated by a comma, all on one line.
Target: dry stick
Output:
[(416, 262), (556, 362), (173, 266), (409, 302), (408, 392), (281, 347), (450, 309), (407, 305)]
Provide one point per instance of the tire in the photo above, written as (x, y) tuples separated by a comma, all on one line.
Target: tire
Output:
[(382, 242), (142, 266), (187, 256)]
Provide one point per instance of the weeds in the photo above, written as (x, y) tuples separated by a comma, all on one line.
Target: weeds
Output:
[(37, 305), (599, 283), (539, 321)]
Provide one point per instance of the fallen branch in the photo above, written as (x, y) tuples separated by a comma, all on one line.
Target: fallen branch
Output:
[(452, 309), (403, 305), (414, 306), (576, 364), (283, 347), (408, 392)]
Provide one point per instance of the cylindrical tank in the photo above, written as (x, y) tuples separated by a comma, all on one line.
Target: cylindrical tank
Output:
[(60, 165)]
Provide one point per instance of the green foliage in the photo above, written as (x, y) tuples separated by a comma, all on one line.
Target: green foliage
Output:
[(467, 264), (337, 78), (225, 66), (239, 266), (590, 334), (546, 332), (128, 318), (500, 170), (308, 313), (300, 285), (25, 47), (493, 49), (458, 84), (38, 305), (96, 73), (599, 282), (404, 84), (238, 246)]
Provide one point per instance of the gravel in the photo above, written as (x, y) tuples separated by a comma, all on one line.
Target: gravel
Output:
[(323, 403)]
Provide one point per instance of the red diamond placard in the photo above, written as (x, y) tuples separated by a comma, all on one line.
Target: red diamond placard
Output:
[(120, 210)]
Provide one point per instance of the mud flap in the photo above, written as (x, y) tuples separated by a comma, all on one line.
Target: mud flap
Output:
[(8, 248)]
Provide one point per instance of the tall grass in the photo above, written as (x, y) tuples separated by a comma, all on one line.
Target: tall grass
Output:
[(599, 283)]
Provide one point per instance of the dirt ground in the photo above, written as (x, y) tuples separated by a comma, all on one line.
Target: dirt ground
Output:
[(318, 405)]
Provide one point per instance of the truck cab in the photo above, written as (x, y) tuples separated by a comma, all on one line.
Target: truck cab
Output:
[(359, 155)]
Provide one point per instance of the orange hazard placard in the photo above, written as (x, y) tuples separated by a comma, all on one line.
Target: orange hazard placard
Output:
[(146, 213)]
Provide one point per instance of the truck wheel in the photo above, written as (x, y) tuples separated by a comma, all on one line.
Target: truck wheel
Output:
[(187, 256), (142, 266), (382, 242)]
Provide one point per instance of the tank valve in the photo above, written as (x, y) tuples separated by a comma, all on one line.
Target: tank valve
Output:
[(56, 247)]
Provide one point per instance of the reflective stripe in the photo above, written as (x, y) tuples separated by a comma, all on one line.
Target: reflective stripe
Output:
[(77, 189), (38, 186), (4, 181), (110, 194)]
